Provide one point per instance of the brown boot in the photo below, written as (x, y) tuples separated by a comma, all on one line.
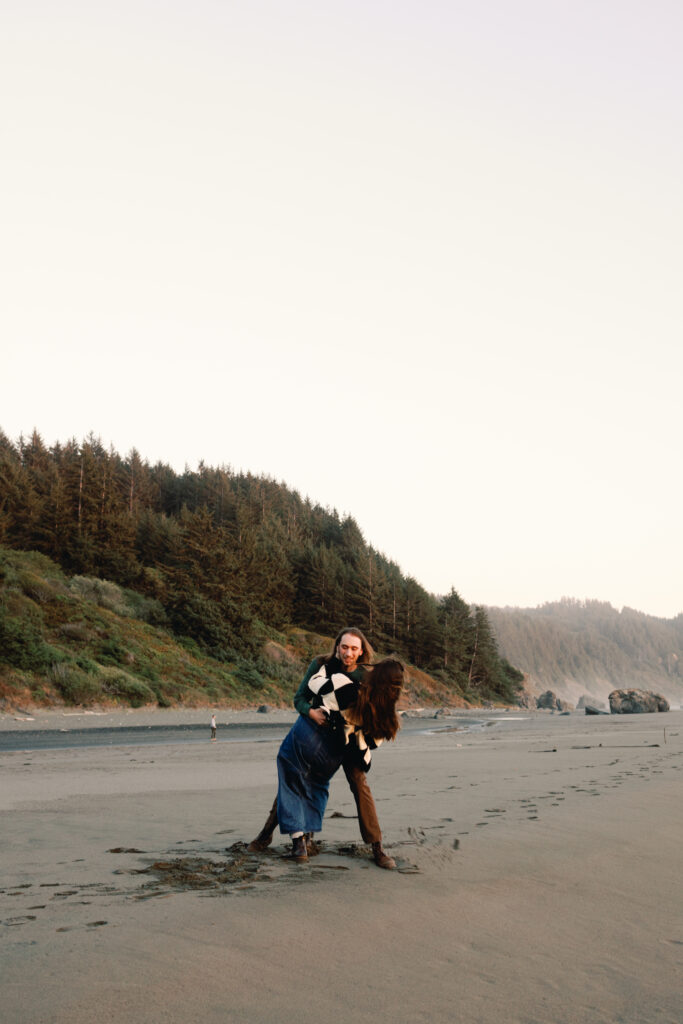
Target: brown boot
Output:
[(312, 847), (265, 836), (261, 843), (382, 859), (299, 852)]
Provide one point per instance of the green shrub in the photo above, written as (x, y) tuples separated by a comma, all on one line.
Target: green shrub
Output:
[(283, 672), (38, 563), (75, 685), (121, 601), (110, 652), (220, 629), (147, 609), (8, 575), (190, 645), (100, 592), (147, 672), (40, 694), (18, 606), (75, 631), (174, 692), (162, 700), (22, 645), (249, 675), (36, 588), (127, 688), (87, 664), (224, 654)]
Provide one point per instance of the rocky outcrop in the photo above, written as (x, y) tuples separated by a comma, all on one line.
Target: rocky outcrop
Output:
[(587, 701), (550, 701), (636, 702), (591, 710)]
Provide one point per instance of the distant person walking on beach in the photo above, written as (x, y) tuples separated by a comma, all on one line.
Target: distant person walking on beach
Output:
[(213, 727), (352, 656)]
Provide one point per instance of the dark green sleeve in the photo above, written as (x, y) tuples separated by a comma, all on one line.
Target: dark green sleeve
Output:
[(302, 702)]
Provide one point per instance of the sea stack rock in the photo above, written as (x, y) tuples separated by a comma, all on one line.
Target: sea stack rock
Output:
[(588, 701), (551, 702), (636, 702)]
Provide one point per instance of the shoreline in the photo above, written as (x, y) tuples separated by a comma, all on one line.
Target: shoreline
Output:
[(58, 718), (74, 731)]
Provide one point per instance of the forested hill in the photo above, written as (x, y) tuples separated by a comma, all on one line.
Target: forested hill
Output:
[(578, 647), (230, 560)]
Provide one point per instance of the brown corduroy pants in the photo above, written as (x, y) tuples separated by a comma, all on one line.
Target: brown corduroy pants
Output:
[(365, 803)]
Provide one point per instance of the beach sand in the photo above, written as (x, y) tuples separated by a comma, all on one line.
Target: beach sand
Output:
[(539, 880)]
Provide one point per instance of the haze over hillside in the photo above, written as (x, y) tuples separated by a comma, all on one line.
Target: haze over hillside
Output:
[(577, 647)]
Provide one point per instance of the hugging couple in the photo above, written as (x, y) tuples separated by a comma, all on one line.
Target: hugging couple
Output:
[(346, 706)]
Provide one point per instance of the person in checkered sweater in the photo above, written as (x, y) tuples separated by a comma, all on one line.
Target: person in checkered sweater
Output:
[(352, 720), (353, 655)]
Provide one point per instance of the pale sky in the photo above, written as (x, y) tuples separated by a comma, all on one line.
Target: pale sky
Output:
[(421, 261)]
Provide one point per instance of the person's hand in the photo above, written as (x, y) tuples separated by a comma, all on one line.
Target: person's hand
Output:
[(318, 716)]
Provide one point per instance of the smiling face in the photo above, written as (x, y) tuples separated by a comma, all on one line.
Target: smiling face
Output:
[(349, 650)]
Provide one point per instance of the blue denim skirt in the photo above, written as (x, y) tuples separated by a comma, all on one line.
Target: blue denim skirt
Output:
[(306, 762)]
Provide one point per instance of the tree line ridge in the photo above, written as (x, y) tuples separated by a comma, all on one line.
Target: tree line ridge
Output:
[(220, 564)]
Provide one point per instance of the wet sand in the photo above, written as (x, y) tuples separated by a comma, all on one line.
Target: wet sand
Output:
[(539, 880)]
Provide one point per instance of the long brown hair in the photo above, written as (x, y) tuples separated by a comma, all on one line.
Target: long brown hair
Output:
[(367, 653), (375, 709)]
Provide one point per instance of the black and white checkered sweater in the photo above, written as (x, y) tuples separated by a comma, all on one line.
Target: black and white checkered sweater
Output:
[(335, 693)]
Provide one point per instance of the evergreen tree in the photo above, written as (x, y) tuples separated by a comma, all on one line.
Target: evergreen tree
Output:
[(458, 636)]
